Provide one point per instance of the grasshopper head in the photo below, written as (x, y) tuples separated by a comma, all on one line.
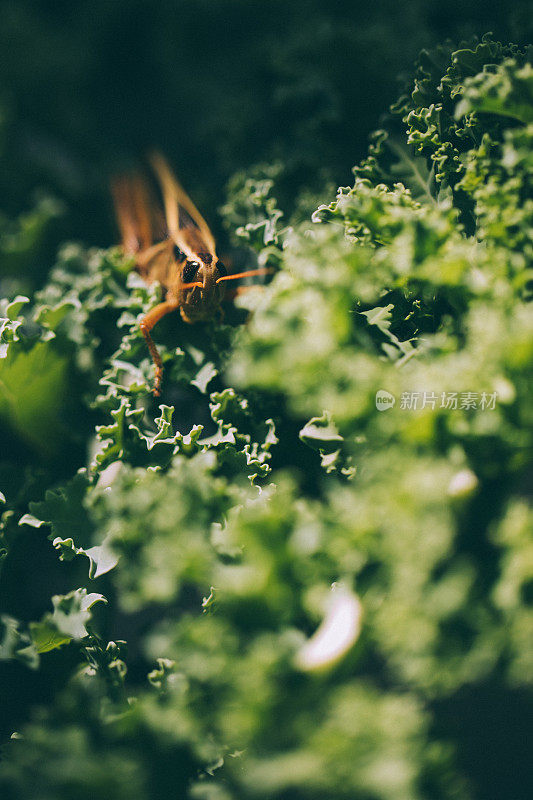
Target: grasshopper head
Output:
[(200, 302)]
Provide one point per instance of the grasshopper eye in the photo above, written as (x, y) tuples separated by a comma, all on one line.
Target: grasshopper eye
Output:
[(222, 269), (178, 254), (189, 271)]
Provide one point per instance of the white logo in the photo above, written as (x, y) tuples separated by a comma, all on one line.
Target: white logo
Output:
[(384, 400)]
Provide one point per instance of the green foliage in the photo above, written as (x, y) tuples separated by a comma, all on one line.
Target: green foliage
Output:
[(313, 588), (22, 239)]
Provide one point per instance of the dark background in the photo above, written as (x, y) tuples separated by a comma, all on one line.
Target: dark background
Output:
[(218, 85)]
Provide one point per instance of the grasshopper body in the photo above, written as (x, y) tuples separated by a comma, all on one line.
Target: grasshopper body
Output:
[(171, 243)]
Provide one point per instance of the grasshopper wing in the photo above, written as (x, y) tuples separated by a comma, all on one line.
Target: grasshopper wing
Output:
[(185, 224), (141, 222), (140, 219)]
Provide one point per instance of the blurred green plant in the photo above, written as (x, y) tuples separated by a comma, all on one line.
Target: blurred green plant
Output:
[(315, 593)]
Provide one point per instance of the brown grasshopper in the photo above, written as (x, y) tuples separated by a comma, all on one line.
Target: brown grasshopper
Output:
[(172, 245)]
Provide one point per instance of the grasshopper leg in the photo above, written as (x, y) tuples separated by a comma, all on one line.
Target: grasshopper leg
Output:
[(146, 325)]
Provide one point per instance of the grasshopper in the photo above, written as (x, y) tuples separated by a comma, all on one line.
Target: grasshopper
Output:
[(171, 243)]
